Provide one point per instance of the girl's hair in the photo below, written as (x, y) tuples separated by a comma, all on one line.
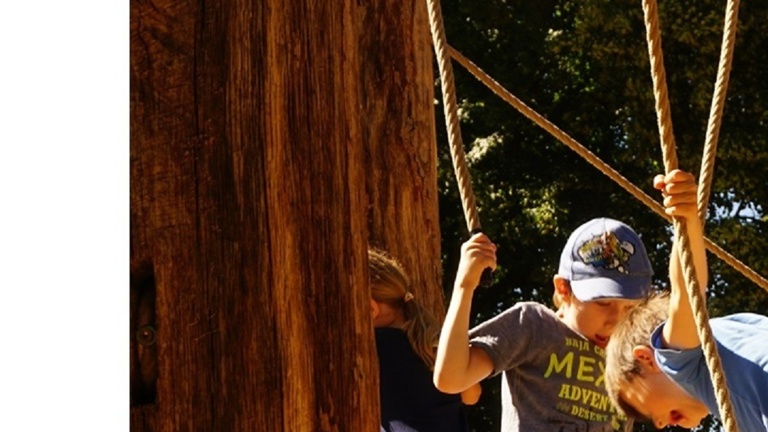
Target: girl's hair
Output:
[(390, 285)]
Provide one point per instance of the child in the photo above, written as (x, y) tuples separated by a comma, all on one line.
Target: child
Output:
[(406, 336), (666, 379), (552, 361)]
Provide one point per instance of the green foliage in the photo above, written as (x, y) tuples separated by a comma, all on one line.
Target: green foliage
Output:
[(584, 66)]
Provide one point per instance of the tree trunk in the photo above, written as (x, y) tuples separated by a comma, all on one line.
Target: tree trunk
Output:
[(399, 134), (252, 167)]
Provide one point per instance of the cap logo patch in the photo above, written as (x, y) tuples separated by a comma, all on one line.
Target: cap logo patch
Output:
[(606, 251)]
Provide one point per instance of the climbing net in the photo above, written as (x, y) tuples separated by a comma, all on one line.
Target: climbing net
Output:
[(444, 53)]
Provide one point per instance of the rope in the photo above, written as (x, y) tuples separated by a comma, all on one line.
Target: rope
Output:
[(452, 115), (660, 94), (716, 111), (590, 157), (695, 295)]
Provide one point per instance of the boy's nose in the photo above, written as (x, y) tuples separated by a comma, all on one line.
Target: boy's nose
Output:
[(613, 315)]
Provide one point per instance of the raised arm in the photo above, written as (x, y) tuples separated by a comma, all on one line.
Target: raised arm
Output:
[(679, 191), (459, 366)]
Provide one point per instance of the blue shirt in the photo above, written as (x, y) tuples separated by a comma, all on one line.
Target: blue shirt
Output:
[(410, 402), (742, 341)]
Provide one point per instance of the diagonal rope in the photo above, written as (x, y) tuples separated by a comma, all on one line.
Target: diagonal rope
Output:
[(590, 157), (452, 115), (669, 155), (557, 132), (718, 103)]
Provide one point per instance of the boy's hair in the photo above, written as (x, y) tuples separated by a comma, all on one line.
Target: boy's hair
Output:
[(390, 285), (635, 329)]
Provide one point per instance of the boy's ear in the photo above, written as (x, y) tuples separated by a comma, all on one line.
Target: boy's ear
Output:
[(562, 287), (645, 356), (375, 309)]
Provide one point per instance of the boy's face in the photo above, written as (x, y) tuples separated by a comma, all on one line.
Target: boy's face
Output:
[(656, 397), (596, 319)]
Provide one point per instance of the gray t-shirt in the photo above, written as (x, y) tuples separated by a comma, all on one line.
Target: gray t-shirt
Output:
[(553, 376)]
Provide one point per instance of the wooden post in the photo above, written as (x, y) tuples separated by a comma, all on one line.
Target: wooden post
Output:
[(399, 134), (250, 214)]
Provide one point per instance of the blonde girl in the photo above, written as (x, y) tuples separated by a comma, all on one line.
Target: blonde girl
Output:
[(406, 342)]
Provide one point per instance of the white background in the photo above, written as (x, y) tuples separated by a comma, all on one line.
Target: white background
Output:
[(64, 215)]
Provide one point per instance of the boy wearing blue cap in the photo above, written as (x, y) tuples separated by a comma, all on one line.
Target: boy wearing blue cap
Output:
[(552, 362)]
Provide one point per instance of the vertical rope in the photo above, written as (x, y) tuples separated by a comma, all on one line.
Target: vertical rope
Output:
[(716, 111), (689, 272), (452, 115), (664, 116)]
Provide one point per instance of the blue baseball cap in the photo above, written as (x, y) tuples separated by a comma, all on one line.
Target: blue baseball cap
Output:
[(605, 258)]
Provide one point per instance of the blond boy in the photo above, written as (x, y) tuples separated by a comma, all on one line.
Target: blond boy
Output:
[(655, 368)]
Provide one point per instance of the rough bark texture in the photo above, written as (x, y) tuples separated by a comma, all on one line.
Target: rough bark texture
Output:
[(399, 133), (252, 168)]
